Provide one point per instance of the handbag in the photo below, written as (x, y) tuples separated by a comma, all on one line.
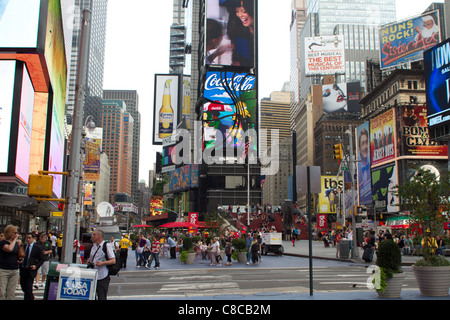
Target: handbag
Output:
[(140, 250), (21, 252)]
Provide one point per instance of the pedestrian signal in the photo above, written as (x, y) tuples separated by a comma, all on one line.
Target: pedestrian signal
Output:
[(338, 152)]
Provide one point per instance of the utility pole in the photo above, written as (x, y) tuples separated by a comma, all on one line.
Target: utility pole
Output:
[(75, 143), (352, 173)]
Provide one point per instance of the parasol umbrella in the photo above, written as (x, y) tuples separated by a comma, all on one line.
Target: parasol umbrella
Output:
[(142, 226), (178, 225)]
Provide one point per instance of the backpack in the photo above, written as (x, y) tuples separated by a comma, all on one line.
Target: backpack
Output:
[(113, 269)]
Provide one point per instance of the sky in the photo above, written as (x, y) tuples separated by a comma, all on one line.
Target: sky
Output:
[(137, 48)]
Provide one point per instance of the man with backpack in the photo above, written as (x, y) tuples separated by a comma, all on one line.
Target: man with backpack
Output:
[(102, 256)]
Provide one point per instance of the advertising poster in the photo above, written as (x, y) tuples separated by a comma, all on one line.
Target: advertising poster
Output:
[(156, 205), (382, 137), (354, 96), (414, 136), (92, 154), (334, 98), (328, 197), (384, 179), (322, 222), (230, 108), (230, 32), (165, 114), (437, 79), (324, 55), (406, 41), (363, 158)]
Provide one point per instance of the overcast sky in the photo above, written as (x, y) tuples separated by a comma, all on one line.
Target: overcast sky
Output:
[(137, 48)]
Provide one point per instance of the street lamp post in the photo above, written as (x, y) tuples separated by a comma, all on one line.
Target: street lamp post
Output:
[(75, 144), (352, 172)]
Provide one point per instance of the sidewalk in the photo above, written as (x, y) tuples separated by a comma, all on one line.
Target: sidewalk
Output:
[(319, 251)]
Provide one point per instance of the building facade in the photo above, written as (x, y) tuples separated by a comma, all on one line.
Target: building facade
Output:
[(95, 68), (131, 99), (117, 144)]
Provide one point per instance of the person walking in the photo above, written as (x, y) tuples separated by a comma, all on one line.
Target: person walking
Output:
[(172, 247), (59, 243), (33, 260), (9, 263), (98, 260), (46, 247), (156, 249), (124, 244)]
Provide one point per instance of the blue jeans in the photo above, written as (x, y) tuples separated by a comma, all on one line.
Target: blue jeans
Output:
[(156, 256)]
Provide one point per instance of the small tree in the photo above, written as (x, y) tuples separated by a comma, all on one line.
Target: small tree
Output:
[(426, 197)]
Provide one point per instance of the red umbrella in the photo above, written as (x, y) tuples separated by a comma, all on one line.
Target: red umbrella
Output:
[(142, 226), (178, 225)]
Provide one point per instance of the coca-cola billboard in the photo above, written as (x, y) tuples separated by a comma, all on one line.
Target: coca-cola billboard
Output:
[(229, 109)]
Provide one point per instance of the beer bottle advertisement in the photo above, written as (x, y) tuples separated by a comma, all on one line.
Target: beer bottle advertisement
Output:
[(166, 106), (166, 114)]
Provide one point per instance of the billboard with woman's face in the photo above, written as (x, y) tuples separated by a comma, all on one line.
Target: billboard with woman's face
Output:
[(230, 33)]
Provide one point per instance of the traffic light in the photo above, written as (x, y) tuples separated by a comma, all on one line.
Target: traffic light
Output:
[(338, 152), (40, 185)]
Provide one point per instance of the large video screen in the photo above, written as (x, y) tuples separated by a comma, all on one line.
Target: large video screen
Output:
[(7, 75), (230, 32), (230, 108), (25, 128), (19, 21), (437, 78)]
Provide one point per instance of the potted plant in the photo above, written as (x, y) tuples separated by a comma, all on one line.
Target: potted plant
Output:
[(187, 254), (389, 260), (240, 250), (425, 196)]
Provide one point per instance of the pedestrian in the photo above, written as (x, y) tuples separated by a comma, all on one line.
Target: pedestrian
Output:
[(215, 253), (441, 245), (254, 250), (124, 245), (59, 243), (98, 260), (33, 260), (294, 234), (228, 252), (156, 249), (76, 246), (9, 263), (337, 239), (140, 250), (46, 247), (249, 244), (172, 247), (53, 241), (114, 244)]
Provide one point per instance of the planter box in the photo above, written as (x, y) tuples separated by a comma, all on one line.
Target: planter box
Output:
[(242, 257), (394, 286), (433, 281), (190, 258)]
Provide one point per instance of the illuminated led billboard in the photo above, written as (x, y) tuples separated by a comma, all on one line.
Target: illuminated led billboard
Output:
[(230, 32), (230, 108), (7, 75), (19, 23), (437, 78)]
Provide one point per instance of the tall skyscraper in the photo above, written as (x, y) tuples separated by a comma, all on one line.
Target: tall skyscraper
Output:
[(117, 140), (94, 81), (358, 21), (131, 99)]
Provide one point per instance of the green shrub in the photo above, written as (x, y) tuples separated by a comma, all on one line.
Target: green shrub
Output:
[(389, 256)]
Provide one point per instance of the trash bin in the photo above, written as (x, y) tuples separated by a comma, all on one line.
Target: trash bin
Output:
[(77, 283), (344, 249), (51, 283)]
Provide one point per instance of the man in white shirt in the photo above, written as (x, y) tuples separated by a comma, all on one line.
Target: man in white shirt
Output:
[(99, 261)]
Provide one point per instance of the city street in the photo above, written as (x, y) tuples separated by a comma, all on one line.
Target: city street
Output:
[(275, 278)]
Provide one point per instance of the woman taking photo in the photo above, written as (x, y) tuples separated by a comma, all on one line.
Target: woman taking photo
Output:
[(9, 263)]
